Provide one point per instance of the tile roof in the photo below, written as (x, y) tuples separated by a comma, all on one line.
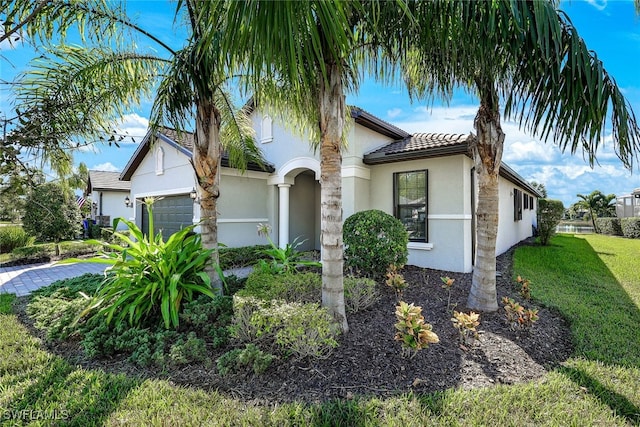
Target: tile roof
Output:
[(105, 181), (185, 139), (420, 145)]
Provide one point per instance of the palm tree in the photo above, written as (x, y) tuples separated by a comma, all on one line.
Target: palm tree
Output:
[(598, 205), (312, 56), (90, 87), (531, 56)]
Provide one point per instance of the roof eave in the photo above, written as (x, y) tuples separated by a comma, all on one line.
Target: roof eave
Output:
[(376, 124), (373, 159), (511, 175)]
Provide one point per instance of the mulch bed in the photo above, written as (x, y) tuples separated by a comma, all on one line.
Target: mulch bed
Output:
[(368, 361)]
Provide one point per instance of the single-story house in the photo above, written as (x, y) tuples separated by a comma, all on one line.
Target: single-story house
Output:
[(628, 205), (426, 180), (108, 195)]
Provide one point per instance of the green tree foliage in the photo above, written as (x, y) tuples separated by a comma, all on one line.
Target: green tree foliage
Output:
[(549, 216), (540, 187), (598, 205), (189, 81), (52, 214)]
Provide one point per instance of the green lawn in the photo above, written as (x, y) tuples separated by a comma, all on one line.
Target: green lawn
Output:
[(591, 279)]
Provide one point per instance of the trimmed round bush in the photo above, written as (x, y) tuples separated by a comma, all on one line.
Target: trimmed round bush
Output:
[(374, 240)]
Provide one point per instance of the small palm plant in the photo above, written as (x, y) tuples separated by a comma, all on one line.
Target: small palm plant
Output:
[(283, 260), (149, 279)]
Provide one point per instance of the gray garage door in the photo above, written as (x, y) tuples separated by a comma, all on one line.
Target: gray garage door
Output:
[(169, 215)]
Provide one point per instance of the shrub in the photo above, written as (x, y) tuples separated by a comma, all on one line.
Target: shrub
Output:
[(12, 237), (519, 317), (211, 317), (51, 214), (610, 226), (79, 248), (412, 332), (146, 346), (630, 227), (525, 288), (374, 240), (301, 330), (150, 279), (56, 313), (241, 257), (549, 216), (191, 349), (55, 308), (466, 325), (250, 356), (6, 303), (395, 280), (300, 287), (71, 288), (360, 293), (35, 251)]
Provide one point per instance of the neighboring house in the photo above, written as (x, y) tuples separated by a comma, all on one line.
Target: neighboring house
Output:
[(426, 180), (108, 195), (628, 205)]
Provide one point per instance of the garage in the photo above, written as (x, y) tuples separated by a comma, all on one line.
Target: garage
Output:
[(170, 214)]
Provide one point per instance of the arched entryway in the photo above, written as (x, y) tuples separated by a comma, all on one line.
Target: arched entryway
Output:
[(298, 202), (304, 211)]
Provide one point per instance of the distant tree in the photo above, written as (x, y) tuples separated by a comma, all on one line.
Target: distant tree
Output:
[(52, 213), (598, 205), (540, 187)]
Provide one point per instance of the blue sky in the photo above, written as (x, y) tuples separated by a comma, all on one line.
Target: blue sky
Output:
[(610, 28)]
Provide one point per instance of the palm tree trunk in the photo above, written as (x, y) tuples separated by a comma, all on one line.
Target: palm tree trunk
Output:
[(332, 116), (487, 153), (207, 156)]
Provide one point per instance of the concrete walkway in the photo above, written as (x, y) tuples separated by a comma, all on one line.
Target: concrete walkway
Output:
[(23, 279)]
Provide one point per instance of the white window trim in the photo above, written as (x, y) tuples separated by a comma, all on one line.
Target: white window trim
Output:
[(159, 161), (266, 130), (420, 246)]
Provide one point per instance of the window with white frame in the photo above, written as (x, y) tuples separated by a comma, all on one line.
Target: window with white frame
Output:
[(410, 202)]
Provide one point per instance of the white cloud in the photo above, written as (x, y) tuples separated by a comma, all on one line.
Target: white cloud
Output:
[(107, 167), (133, 127), (531, 151), (598, 4), (393, 113)]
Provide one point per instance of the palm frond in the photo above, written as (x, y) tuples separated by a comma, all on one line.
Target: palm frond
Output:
[(83, 90)]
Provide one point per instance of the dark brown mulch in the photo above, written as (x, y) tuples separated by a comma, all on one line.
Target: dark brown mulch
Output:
[(368, 360)]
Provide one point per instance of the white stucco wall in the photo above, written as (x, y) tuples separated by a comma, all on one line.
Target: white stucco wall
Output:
[(511, 232), (112, 205), (246, 200), (449, 217)]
